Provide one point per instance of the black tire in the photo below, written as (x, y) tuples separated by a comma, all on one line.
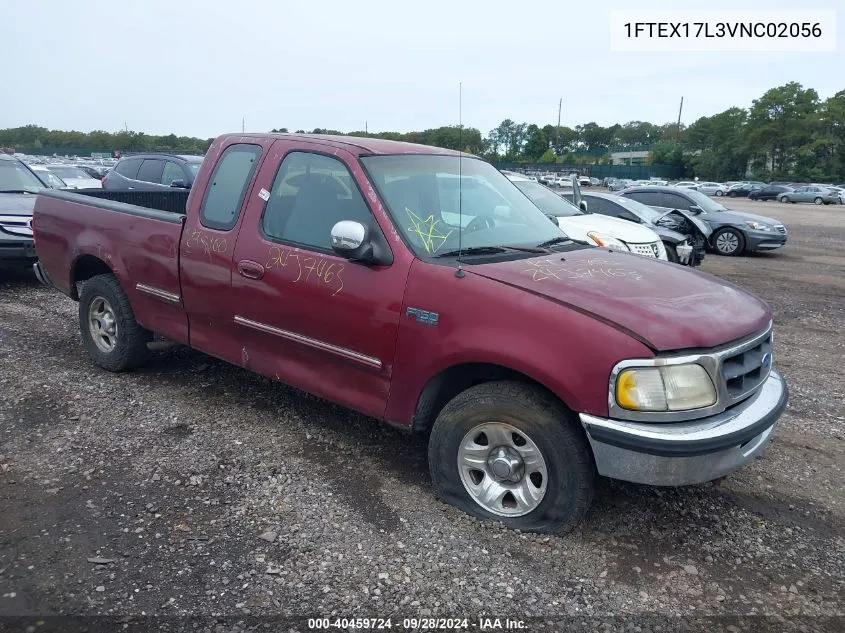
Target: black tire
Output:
[(671, 253), (550, 426), (130, 346), (739, 241), (818, 201), (719, 193), (731, 194), (784, 199)]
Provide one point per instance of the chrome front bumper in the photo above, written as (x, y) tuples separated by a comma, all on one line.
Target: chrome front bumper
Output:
[(676, 454), (42, 275)]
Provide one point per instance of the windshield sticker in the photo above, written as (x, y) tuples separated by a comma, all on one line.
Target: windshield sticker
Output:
[(264, 194), (542, 269), (432, 238)]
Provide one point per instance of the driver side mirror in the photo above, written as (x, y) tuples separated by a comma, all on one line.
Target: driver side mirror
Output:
[(179, 184), (583, 206), (697, 210), (553, 219), (353, 241)]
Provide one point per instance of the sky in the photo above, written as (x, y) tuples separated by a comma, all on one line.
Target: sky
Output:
[(203, 68)]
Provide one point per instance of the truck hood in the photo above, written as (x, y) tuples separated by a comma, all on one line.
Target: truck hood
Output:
[(17, 203), (666, 306), (577, 227)]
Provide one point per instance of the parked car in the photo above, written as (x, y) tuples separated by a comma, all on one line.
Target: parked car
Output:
[(74, 177), (811, 193), (684, 236), (620, 184), (743, 189), (18, 186), (95, 171), (687, 184), (712, 189), (734, 232), (588, 227), (419, 286), (769, 192), (153, 171), (49, 178)]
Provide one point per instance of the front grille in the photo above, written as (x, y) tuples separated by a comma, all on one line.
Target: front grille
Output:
[(746, 370), (20, 225), (648, 250), (781, 228)]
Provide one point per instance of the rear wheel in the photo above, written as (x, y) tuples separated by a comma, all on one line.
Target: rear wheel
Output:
[(729, 242), (110, 333), (510, 452), (818, 201), (719, 193)]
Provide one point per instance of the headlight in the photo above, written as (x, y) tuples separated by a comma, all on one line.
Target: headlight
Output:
[(606, 241), (757, 226), (668, 388)]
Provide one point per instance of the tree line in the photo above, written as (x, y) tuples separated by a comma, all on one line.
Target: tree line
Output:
[(787, 133)]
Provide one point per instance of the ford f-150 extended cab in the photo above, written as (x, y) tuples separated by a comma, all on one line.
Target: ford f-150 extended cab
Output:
[(419, 286)]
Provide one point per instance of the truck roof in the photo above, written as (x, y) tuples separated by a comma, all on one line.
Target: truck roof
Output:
[(359, 145)]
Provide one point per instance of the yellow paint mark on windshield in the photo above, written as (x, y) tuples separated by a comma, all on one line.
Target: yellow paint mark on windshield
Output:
[(430, 236)]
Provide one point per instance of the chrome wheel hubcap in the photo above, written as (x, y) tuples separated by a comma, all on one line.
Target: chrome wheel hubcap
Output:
[(102, 323), (502, 469), (727, 243)]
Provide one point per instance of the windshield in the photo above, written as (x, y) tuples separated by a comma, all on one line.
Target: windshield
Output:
[(194, 167), (68, 172), (704, 201), (433, 206), (14, 176), (547, 201), (639, 209)]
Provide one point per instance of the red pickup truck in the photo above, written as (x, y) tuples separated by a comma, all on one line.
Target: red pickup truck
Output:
[(419, 286)]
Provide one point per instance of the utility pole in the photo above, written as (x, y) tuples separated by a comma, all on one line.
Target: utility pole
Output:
[(557, 129), (243, 124), (681, 109), (125, 127), (366, 130)]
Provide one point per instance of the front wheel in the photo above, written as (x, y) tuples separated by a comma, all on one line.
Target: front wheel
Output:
[(729, 242), (510, 452), (112, 337), (671, 253)]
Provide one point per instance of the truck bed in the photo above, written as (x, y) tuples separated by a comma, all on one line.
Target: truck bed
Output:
[(76, 233)]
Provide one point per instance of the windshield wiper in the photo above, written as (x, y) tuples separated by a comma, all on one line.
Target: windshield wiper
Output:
[(490, 250), (16, 191), (557, 240)]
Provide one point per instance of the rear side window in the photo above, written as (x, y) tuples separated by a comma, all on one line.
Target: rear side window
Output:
[(128, 168), (150, 170), (227, 187)]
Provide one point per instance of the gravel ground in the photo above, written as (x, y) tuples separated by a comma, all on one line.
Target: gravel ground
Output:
[(191, 487)]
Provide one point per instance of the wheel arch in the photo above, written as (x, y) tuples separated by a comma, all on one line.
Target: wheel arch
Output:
[(450, 381), (83, 268)]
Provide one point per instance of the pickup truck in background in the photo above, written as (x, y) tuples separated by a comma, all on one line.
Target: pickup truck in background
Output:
[(419, 286)]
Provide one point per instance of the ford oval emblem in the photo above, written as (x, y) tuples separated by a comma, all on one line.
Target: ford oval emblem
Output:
[(766, 360)]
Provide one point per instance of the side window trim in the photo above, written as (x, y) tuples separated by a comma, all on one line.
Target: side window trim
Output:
[(372, 223), (218, 226)]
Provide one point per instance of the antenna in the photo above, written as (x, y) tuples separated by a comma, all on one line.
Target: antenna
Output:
[(460, 272)]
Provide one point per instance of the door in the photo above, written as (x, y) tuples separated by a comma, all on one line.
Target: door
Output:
[(306, 316), (149, 174), (208, 243)]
